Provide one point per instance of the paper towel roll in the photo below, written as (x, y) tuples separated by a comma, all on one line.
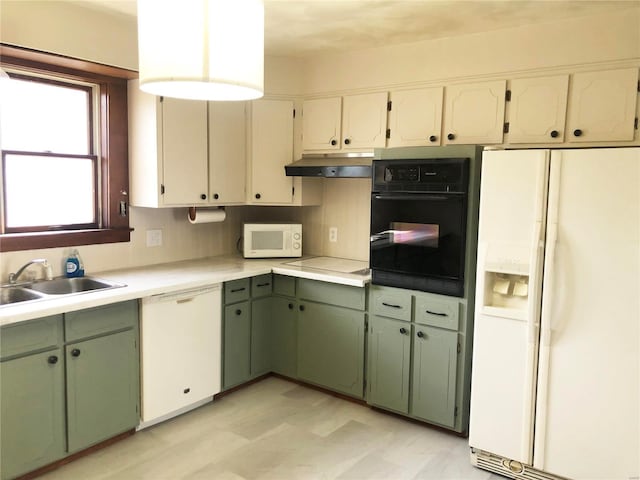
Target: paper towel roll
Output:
[(206, 215)]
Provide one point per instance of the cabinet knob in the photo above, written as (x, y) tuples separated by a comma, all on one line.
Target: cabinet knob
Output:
[(433, 138), (451, 136), (258, 196), (420, 335), (238, 312), (291, 306), (554, 134), (347, 141), (203, 196), (301, 307), (75, 352), (216, 196), (334, 141), (577, 132), (403, 330), (52, 360)]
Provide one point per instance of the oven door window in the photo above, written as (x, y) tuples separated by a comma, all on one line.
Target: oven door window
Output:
[(418, 234)]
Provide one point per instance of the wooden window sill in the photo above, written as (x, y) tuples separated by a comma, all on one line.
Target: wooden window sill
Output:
[(13, 242)]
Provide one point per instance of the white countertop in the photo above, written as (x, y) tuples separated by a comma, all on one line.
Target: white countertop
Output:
[(156, 279)]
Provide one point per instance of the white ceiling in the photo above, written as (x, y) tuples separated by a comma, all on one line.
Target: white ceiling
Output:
[(307, 27)]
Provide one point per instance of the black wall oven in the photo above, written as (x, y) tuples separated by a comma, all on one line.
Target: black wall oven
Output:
[(418, 224)]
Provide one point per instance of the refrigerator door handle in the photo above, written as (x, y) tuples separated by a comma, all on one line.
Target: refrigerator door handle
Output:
[(534, 288)]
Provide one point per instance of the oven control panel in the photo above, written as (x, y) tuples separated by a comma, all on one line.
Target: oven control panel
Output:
[(421, 175)]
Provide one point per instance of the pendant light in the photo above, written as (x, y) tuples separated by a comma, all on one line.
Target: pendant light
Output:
[(201, 49)]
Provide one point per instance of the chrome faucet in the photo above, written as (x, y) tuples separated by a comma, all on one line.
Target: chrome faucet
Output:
[(13, 277)]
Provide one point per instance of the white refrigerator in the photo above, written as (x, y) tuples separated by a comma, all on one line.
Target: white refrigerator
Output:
[(555, 389)]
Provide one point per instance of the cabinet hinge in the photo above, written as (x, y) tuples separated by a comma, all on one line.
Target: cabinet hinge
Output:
[(293, 191), (459, 348), (635, 123), (506, 128), (161, 99), (639, 85), (389, 104), (294, 113), (507, 95), (161, 189), (388, 133), (455, 412)]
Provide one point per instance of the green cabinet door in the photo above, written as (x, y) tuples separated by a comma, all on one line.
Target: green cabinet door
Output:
[(102, 388), (32, 412), (389, 357), (331, 347), (284, 314), (261, 336), (435, 358), (237, 344)]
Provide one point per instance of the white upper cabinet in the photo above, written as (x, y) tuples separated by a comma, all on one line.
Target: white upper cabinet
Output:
[(271, 150), (321, 120), (364, 121), (415, 118), (352, 122), (602, 106), (227, 152), (537, 109), (474, 113)]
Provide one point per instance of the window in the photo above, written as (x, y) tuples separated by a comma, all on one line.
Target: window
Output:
[(63, 135)]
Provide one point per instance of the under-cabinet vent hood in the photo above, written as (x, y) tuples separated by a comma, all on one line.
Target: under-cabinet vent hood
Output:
[(330, 165)]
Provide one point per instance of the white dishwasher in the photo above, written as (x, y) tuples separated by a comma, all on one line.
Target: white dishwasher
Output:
[(180, 351)]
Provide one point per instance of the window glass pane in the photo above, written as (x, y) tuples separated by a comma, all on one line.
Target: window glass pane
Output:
[(49, 191), (41, 117)]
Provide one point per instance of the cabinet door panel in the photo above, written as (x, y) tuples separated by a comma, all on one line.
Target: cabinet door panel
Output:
[(474, 113), (416, 117), (271, 150), (364, 121), (32, 418), (237, 331), (435, 359), (261, 333), (538, 108), (321, 120), (227, 152), (389, 362), (602, 106), (184, 151), (331, 347), (102, 388), (284, 321)]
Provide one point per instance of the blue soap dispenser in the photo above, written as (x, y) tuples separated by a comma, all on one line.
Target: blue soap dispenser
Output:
[(73, 265)]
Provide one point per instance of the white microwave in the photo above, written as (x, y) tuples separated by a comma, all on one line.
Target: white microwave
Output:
[(262, 240)]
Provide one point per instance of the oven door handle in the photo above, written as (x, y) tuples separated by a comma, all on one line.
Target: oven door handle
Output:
[(413, 196)]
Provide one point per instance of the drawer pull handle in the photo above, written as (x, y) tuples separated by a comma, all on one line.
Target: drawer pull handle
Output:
[(391, 305), (420, 335), (75, 352), (403, 330), (236, 290), (263, 284), (437, 313), (52, 360)]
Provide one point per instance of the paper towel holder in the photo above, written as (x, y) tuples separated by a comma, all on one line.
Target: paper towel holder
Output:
[(194, 217)]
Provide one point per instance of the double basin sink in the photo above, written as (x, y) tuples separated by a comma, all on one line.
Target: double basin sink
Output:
[(46, 289)]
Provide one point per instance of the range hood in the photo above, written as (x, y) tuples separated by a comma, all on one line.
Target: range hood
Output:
[(332, 165)]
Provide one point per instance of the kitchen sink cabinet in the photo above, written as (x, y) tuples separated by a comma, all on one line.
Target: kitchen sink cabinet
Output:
[(415, 118), (474, 113)]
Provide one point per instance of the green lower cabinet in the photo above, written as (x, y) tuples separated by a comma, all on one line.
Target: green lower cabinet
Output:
[(102, 388), (284, 314), (261, 336), (435, 357), (389, 357), (237, 344), (331, 347), (32, 412)]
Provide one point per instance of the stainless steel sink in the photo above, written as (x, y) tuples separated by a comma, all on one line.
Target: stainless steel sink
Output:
[(9, 295), (65, 286)]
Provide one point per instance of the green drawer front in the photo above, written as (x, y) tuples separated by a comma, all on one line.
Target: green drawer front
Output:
[(331, 293), (30, 336), (236, 290), (261, 286), (391, 302), (437, 311), (284, 285), (100, 320)]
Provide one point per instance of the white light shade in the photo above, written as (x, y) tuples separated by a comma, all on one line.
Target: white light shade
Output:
[(201, 49)]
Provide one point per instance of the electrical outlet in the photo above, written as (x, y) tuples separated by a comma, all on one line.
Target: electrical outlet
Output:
[(333, 234), (154, 238)]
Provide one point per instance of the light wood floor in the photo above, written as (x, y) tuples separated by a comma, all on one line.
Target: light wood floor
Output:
[(276, 429)]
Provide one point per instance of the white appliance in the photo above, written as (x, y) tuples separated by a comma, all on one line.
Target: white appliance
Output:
[(265, 240), (181, 352), (555, 388)]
